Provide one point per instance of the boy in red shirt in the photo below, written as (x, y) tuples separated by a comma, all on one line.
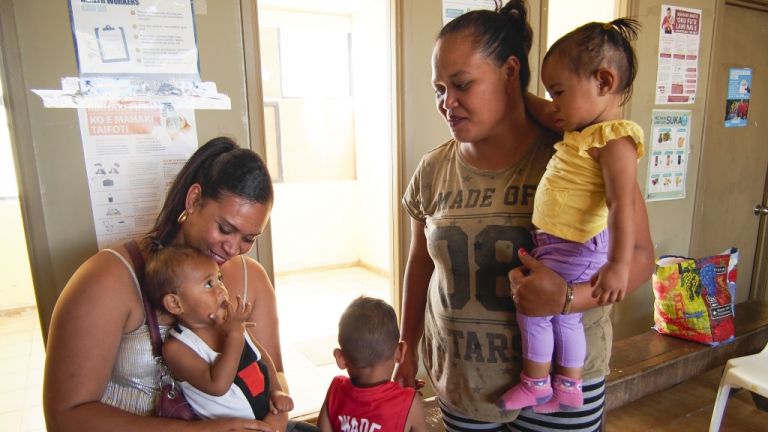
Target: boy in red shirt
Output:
[(368, 400)]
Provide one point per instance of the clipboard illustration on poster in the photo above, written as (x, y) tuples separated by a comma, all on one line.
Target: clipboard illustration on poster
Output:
[(134, 52), (151, 37), (112, 44)]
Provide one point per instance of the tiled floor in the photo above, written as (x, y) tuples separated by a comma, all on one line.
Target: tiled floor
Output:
[(21, 372), (309, 306)]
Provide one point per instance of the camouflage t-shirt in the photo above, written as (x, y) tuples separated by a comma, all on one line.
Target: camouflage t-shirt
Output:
[(476, 220)]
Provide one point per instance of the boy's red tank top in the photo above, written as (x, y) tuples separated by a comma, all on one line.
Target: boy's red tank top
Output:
[(381, 408)]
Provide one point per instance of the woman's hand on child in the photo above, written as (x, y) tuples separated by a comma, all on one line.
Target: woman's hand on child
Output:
[(279, 402), (610, 283), (536, 290)]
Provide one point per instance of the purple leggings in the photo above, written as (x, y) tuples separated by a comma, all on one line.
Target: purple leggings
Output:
[(574, 262)]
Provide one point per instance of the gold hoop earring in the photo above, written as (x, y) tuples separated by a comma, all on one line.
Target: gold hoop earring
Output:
[(182, 217)]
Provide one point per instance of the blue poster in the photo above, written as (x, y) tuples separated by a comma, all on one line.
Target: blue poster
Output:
[(737, 102)]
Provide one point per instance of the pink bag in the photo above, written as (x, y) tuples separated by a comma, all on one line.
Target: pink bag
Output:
[(172, 403)]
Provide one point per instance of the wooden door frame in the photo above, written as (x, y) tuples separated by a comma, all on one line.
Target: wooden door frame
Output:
[(760, 5), (254, 99)]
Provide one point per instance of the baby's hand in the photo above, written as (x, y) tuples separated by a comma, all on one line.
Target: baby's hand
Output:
[(237, 313), (279, 402), (610, 283)]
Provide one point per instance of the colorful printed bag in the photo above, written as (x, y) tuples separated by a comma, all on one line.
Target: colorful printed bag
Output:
[(694, 297)]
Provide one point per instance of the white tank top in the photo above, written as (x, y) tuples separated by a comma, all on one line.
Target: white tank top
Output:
[(134, 383)]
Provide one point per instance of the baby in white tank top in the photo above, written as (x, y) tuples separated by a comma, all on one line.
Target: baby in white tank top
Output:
[(223, 370)]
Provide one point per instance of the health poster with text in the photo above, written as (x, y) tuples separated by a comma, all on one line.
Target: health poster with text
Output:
[(132, 37), (677, 74), (669, 145), (132, 155)]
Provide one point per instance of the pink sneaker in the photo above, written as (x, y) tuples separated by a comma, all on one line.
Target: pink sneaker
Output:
[(566, 396), (528, 392)]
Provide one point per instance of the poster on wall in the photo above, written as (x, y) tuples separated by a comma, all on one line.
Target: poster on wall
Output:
[(669, 147), (132, 37), (678, 71), (454, 8), (131, 51), (737, 102), (132, 154)]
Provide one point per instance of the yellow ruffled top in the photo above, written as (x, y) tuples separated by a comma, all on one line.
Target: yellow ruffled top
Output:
[(570, 199)]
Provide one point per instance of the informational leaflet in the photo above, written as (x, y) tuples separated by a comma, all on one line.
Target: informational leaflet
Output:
[(678, 71), (132, 156), (454, 8), (668, 154), (135, 37), (737, 103)]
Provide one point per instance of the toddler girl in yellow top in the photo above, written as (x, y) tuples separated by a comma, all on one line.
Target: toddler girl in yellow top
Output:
[(586, 193)]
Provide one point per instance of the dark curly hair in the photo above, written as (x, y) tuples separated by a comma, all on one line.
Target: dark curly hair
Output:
[(596, 45)]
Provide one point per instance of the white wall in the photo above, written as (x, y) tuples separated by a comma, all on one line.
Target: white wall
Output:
[(352, 219), (16, 289), (308, 214), (567, 15), (373, 132)]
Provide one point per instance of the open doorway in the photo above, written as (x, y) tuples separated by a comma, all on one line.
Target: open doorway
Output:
[(21, 344), (327, 86)]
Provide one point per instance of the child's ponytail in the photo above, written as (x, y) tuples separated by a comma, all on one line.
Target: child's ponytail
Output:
[(622, 32)]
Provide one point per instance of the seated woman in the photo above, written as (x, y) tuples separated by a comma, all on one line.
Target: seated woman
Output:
[(99, 371)]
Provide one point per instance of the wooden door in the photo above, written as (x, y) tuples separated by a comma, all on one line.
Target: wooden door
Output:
[(732, 175), (760, 270)]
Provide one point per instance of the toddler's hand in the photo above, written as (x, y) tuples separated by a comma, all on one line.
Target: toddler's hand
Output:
[(279, 402), (610, 283), (237, 313)]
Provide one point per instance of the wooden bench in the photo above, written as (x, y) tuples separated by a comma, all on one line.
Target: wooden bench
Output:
[(650, 362)]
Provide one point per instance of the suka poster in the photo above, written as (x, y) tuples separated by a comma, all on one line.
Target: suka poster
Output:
[(669, 148)]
